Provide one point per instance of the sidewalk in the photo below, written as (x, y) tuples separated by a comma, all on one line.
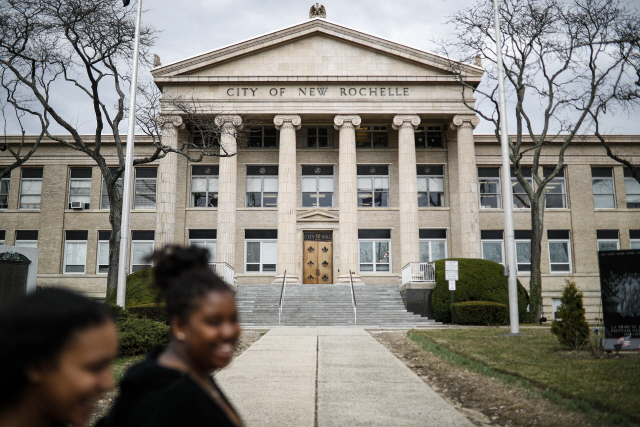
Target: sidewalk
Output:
[(325, 377)]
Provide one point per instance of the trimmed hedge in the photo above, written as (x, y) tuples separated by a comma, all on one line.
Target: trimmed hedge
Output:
[(480, 280), (139, 336), (139, 289), (157, 312), (481, 313)]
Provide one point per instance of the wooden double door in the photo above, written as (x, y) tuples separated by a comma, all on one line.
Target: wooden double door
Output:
[(318, 257)]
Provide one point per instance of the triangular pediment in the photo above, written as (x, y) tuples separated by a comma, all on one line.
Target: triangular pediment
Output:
[(315, 48), (317, 215)]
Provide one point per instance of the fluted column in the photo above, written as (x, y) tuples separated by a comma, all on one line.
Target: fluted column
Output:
[(348, 200), (468, 186), (228, 177), (408, 180), (166, 183), (287, 192)]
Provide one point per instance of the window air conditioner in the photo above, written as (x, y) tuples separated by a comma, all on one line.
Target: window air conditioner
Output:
[(76, 205)]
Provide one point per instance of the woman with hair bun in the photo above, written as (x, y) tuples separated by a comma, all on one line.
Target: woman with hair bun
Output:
[(173, 386), (56, 349)]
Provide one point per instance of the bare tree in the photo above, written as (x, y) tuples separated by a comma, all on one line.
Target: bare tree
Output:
[(561, 60), (81, 48)]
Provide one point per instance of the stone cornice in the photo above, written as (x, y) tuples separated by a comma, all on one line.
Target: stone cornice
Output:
[(310, 79)]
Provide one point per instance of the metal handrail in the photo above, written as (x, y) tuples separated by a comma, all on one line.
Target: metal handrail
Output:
[(284, 285), (353, 299)]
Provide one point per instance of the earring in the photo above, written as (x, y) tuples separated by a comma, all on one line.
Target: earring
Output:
[(180, 336)]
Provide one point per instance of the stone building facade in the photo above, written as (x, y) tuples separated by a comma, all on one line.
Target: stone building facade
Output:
[(355, 156)]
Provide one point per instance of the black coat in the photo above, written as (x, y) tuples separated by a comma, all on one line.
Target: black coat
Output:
[(154, 396)]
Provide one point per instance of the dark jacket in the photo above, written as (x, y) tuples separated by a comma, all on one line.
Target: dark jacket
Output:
[(154, 396)]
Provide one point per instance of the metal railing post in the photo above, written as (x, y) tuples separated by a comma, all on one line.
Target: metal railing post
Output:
[(353, 299), (284, 284)]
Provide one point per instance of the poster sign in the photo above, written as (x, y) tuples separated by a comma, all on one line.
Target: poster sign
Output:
[(620, 287), (451, 275), (451, 266), (452, 285)]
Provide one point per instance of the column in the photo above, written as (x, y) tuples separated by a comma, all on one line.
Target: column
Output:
[(408, 180), (348, 197), (166, 183), (468, 187), (287, 197), (228, 177)]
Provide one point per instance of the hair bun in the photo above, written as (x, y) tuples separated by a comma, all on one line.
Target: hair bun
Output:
[(173, 261)]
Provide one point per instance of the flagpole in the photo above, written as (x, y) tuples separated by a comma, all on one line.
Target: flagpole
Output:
[(128, 170), (510, 246)]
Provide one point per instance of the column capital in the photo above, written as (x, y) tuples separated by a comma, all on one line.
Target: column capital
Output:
[(342, 119), (281, 119), (174, 120), (225, 120), (460, 120), (402, 119)]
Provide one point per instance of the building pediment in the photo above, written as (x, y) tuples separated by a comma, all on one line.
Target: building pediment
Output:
[(317, 215)]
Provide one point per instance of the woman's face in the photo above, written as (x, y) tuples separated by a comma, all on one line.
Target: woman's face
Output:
[(69, 387), (211, 331)]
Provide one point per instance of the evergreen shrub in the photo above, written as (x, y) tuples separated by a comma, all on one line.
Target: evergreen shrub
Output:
[(479, 280), (571, 328), (153, 311), (139, 289), (481, 313), (139, 335)]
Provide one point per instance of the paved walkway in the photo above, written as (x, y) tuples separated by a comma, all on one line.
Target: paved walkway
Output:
[(307, 377)]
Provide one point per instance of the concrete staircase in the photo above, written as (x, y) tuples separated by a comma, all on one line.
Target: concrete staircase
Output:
[(325, 305)]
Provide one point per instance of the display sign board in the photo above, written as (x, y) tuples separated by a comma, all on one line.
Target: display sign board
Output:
[(451, 275), (451, 266), (452, 285), (620, 287)]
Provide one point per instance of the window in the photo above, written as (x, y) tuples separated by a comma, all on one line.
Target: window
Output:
[(205, 135), (145, 188), (490, 193), (429, 136), (317, 136), (317, 186), (375, 251), (141, 248), (556, 190), (104, 197), (261, 247), (204, 186), (493, 245), (604, 190), (30, 189), (204, 239), (75, 251), (608, 240), (523, 250), (634, 236), (4, 191), (373, 186), (556, 303), (2, 237), (263, 137), (520, 197), (632, 190), (102, 263), (27, 238), (372, 137), (262, 186), (430, 185), (559, 251), (433, 245), (79, 188)]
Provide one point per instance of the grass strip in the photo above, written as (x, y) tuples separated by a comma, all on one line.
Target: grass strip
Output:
[(530, 389)]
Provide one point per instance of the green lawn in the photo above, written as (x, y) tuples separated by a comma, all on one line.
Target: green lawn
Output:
[(121, 364), (609, 384)]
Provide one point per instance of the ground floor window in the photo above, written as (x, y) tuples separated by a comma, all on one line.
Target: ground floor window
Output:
[(556, 306), (205, 239), (27, 238), (608, 240), (375, 250), (433, 244), (2, 236), (102, 264), (523, 250), (559, 251), (634, 236), (141, 248), (261, 249), (493, 245), (75, 251)]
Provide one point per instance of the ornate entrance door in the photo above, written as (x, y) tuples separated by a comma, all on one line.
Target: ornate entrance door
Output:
[(318, 257)]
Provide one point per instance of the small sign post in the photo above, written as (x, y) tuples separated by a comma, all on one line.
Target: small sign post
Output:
[(451, 274)]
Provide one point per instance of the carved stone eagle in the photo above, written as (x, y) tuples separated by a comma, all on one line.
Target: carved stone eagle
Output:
[(317, 11)]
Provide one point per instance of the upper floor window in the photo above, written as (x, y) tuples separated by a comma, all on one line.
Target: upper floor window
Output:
[(373, 186), (634, 236), (104, 196), (493, 245), (205, 136), (262, 186), (102, 263), (523, 250), (4, 191), (141, 248), (520, 198), (204, 186), (375, 250), (145, 188), (430, 185), (556, 190), (79, 188), (433, 244), (262, 137), (30, 188), (317, 137), (206, 239), (608, 240), (489, 185), (27, 238), (372, 137), (604, 189), (317, 186), (75, 251), (559, 251), (428, 136), (632, 190), (261, 249)]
